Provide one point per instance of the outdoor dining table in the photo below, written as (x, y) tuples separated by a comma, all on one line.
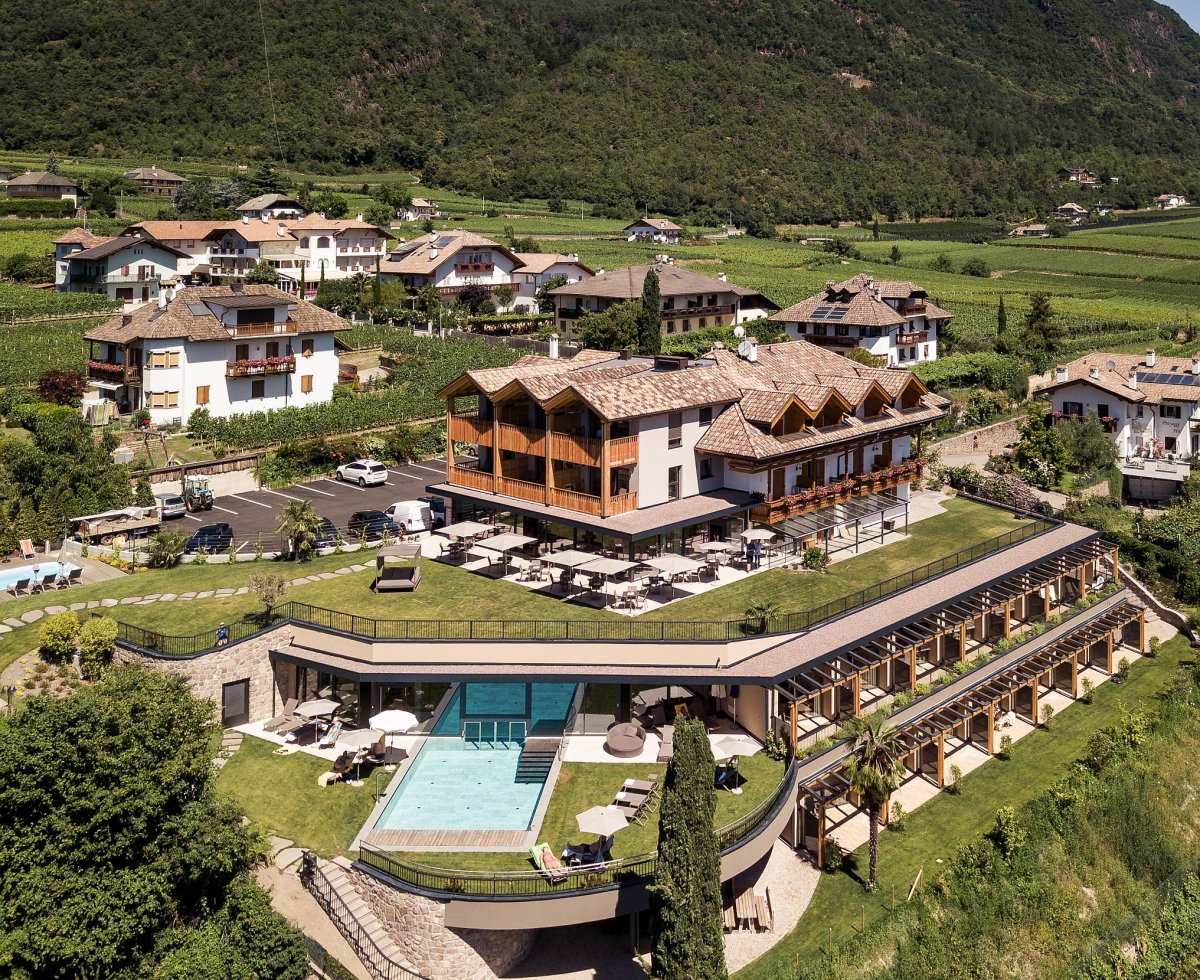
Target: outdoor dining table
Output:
[(570, 559), (608, 568)]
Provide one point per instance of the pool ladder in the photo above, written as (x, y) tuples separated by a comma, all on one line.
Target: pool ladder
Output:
[(495, 732)]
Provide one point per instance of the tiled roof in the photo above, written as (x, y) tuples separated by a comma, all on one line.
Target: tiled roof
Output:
[(626, 283), (1115, 379), (423, 256), (41, 178), (536, 263), (111, 246), (267, 201), (80, 236), (863, 307), (732, 434), (658, 224), (174, 231), (154, 173), (186, 315), (655, 392)]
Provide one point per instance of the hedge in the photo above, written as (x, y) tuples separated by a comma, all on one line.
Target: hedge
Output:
[(34, 207), (996, 372)]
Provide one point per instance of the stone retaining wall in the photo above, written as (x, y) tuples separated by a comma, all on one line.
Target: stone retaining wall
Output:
[(247, 660), (992, 439), (417, 926)]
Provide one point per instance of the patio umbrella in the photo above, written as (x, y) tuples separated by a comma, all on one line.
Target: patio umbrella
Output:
[(674, 564), (758, 534), (716, 546), (731, 745), (318, 708), (602, 820), (393, 721), (359, 739)]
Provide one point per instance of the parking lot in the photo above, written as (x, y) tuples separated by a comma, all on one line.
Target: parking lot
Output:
[(255, 515)]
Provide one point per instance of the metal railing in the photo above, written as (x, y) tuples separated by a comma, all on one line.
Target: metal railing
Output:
[(375, 959), (451, 883), (616, 630)]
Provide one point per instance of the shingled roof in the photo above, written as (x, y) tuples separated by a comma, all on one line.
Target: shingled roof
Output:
[(80, 236), (658, 224), (189, 315), (626, 283), (422, 256), (1175, 379), (864, 302)]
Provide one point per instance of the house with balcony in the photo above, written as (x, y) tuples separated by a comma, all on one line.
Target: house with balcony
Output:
[(328, 248), (1078, 175), (658, 230), (690, 301), (1168, 201), (1149, 404), (156, 182), (42, 184), (231, 349), (127, 269), (275, 207), (894, 321), (419, 209), (1071, 213), (537, 268), (450, 261), (189, 237), (645, 449)]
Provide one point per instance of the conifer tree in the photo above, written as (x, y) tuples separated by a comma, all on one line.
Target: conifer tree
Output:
[(650, 320), (685, 900)]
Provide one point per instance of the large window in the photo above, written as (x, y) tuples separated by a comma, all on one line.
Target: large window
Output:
[(674, 430), (163, 399), (1170, 411), (164, 359), (1073, 408)]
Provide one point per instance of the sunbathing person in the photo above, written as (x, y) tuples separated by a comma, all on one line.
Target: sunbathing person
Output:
[(582, 852)]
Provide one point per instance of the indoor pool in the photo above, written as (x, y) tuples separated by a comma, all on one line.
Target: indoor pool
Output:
[(465, 777), (47, 571)]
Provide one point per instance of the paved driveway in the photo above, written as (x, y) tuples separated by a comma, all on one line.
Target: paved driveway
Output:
[(256, 514)]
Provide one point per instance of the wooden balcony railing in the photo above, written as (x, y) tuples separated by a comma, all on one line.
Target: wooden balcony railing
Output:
[(260, 366), (913, 338), (462, 476), (521, 489), (623, 451), (807, 501), (522, 439), (685, 311), (911, 308), (262, 329), (469, 428), (622, 503), (118, 373), (575, 449), (584, 503)]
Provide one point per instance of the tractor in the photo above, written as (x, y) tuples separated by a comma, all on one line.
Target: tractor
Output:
[(197, 494)]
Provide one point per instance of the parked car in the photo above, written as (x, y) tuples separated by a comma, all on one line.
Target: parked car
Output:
[(213, 538), (372, 523), (327, 534), (171, 505), (364, 472), (437, 506), (411, 515)]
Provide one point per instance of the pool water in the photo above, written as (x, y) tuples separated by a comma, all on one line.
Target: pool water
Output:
[(47, 571), (458, 783)]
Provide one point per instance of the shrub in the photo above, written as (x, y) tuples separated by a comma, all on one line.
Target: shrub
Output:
[(956, 774), (903, 699), (166, 548), (56, 638), (1087, 686), (1008, 834), (1154, 645), (1047, 715), (1005, 746), (896, 817), (97, 641), (815, 559), (834, 856), (1123, 669), (977, 268), (268, 587)]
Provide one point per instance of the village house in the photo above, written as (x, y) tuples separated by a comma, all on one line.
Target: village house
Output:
[(892, 320), (658, 230), (43, 185), (537, 268), (1077, 175), (273, 206), (1033, 229), (126, 269), (690, 301), (230, 349), (159, 183), (189, 237), (5, 175), (1149, 405), (637, 447), (419, 209), (450, 261), (1168, 201), (1071, 213)]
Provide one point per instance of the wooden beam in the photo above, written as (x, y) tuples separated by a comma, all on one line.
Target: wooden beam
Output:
[(962, 640), (1141, 631), (1074, 677), (1033, 712), (796, 725), (1007, 617), (941, 760), (856, 689), (991, 729), (1108, 653)]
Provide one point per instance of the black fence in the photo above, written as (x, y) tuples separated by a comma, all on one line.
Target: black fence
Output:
[(448, 883), (617, 630)]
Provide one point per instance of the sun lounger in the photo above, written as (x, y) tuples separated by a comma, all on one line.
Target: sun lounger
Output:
[(548, 863), (281, 719), (20, 585), (647, 786), (329, 739), (596, 853), (27, 550), (666, 747)]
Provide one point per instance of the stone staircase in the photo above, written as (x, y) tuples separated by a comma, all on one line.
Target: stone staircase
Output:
[(537, 758)]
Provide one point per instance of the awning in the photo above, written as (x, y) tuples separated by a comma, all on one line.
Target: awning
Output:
[(107, 385), (839, 515), (674, 564)]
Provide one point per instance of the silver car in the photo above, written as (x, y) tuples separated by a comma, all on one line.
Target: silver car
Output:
[(364, 472), (170, 505)]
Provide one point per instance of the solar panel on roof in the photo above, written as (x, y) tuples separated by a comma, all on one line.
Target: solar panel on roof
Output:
[(198, 309), (444, 241), (1162, 378), (829, 313)]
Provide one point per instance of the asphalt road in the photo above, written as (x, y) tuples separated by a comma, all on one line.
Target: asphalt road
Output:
[(256, 514)]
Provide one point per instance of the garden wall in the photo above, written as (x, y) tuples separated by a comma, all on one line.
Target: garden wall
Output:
[(992, 439)]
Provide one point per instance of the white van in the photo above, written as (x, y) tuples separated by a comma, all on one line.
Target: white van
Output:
[(411, 516)]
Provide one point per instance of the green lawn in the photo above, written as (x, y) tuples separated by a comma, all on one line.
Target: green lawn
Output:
[(281, 795), (965, 523), (940, 827)]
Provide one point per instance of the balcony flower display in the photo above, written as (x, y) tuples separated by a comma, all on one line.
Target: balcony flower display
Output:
[(106, 367), (288, 360)]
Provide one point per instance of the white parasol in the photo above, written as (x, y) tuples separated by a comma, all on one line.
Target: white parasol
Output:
[(602, 820)]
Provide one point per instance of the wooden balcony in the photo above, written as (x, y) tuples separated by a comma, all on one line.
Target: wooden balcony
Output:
[(260, 367), (584, 503), (911, 309), (623, 452), (805, 502), (462, 476), (473, 268), (116, 373), (912, 338), (575, 449), (522, 439), (469, 428), (521, 489), (622, 503), (262, 329)]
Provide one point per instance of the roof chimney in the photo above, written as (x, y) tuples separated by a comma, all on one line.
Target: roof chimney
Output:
[(1094, 372), (266, 218), (572, 256), (722, 276), (162, 299), (1196, 365), (358, 217), (554, 346), (1060, 373), (1151, 357), (126, 319), (281, 230), (624, 354), (1132, 380), (245, 219), (600, 271)]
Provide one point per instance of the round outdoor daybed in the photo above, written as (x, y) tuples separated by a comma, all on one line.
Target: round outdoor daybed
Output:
[(625, 740)]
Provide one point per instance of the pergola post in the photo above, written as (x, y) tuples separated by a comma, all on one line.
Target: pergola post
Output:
[(1108, 653), (1074, 678), (962, 640), (1007, 617), (912, 668), (941, 760), (1141, 631), (1116, 568), (795, 721), (1046, 602), (1033, 704), (821, 836), (856, 690), (991, 729)]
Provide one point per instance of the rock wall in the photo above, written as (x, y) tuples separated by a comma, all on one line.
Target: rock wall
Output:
[(248, 660), (417, 926), (992, 439)]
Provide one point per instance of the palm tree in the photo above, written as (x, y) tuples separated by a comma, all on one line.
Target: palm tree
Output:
[(299, 523), (763, 610), (874, 769)]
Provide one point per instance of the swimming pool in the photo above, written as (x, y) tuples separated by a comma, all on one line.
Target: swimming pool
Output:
[(471, 782), (46, 571)]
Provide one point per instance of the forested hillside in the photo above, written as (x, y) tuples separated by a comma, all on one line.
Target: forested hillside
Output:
[(776, 110)]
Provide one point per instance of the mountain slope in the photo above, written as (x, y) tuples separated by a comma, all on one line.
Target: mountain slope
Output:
[(774, 109)]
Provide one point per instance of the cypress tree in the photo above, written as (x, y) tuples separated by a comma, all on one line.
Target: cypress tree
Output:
[(650, 320), (685, 900), (1001, 316)]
